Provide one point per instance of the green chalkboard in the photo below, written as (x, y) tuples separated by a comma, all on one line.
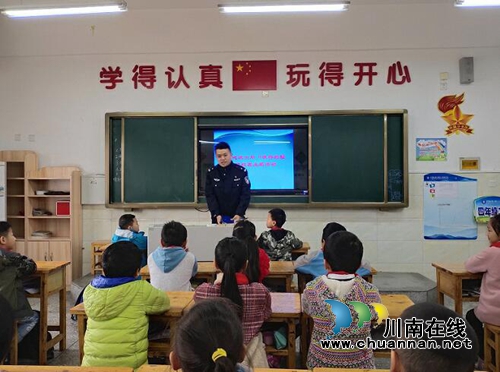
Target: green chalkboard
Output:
[(116, 161), (356, 158), (395, 159), (158, 160), (347, 158)]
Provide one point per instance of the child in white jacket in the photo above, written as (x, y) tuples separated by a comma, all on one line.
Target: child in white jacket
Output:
[(171, 266)]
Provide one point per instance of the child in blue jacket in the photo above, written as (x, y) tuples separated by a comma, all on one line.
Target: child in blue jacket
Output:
[(313, 263), (128, 230)]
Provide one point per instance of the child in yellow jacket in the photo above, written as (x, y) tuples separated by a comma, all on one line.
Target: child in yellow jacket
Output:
[(117, 305)]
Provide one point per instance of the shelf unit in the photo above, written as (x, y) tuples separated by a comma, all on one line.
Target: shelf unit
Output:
[(65, 244), (18, 163)]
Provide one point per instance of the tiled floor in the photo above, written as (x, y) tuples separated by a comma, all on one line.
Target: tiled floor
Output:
[(70, 356)]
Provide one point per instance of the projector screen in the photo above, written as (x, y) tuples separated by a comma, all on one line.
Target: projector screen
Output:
[(275, 158), (267, 154)]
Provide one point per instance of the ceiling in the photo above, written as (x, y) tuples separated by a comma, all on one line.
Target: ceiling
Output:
[(202, 4)]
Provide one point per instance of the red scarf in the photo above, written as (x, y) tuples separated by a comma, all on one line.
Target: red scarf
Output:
[(496, 244), (241, 279)]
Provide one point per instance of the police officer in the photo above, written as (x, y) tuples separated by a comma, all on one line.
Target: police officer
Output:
[(227, 188)]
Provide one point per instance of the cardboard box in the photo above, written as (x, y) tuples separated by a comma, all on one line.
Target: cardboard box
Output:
[(63, 208)]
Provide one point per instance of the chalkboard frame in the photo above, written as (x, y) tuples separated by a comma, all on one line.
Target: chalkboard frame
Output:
[(309, 203)]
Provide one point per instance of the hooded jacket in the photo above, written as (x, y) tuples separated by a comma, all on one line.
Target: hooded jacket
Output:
[(117, 327), (138, 238), (172, 268)]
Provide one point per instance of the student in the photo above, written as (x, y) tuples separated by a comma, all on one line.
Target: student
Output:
[(258, 260), (313, 263), (171, 267), (209, 338), (6, 327), (13, 268), (253, 299), (117, 304), (487, 262), (343, 253), (440, 359), (128, 230), (278, 242)]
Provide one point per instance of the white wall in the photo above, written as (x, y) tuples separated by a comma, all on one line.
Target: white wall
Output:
[(49, 74)]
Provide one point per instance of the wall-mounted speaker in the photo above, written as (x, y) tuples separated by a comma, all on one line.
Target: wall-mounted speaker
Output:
[(466, 67)]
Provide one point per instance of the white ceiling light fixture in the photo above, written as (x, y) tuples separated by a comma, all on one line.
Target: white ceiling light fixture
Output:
[(285, 8), (62, 10), (476, 3)]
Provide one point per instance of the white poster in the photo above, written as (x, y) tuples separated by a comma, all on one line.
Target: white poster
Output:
[(449, 207)]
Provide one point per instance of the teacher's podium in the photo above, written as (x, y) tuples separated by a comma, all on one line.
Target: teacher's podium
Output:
[(201, 240)]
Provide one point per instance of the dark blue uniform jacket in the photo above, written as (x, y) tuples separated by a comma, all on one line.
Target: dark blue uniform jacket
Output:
[(227, 190)]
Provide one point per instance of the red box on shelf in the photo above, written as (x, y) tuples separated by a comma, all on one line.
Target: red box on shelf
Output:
[(63, 208)]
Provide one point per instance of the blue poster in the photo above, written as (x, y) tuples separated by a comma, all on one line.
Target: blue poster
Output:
[(267, 154), (485, 208), (449, 207)]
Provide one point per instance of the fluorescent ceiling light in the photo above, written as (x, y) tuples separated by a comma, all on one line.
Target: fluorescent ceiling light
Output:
[(59, 10), (321, 7), (473, 3)]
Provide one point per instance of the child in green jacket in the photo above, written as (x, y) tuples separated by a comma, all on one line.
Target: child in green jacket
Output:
[(117, 305)]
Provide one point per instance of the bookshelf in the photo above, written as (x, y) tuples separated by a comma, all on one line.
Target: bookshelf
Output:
[(18, 163), (65, 224)]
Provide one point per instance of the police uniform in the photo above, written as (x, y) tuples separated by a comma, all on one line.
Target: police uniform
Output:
[(227, 191)]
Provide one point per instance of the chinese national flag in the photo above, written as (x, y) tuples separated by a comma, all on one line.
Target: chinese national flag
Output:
[(254, 75)]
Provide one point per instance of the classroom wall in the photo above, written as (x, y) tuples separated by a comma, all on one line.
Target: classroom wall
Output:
[(49, 74)]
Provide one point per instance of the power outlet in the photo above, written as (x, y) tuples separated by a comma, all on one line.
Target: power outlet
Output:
[(31, 137)]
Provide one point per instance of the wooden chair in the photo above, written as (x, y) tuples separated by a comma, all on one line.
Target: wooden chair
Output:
[(492, 347), (13, 353)]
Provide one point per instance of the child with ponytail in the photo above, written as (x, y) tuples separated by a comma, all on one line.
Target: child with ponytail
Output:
[(253, 300), (258, 260), (209, 338)]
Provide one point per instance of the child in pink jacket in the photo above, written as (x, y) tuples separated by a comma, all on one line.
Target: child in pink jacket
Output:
[(487, 262)]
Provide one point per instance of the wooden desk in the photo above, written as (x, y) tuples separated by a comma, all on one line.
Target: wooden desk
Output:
[(155, 368), (299, 252), (450, 278), (63, 369), (286, 308), (395, 304), (96, 250), (278, 270), (278, 370), (206, 272), (282, 271), (164, 368), (52, 276), (179, 302), (348, 370)]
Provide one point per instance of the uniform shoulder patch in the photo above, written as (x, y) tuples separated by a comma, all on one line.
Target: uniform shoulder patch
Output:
[(247, 180)]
